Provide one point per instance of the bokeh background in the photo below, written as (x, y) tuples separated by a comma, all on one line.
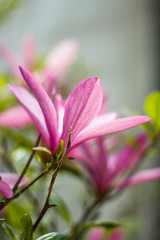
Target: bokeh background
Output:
[(118, 42)]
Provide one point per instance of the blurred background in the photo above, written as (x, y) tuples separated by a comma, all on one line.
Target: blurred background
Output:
[(118, 42)]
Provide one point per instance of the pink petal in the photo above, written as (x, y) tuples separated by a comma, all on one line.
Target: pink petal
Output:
[(29, 53), (96, 233), (59, 106), (11, 179), (82, 106), (61, 58), (102, 126), (116, 235), (5, 190), (9, 58), (46, 105), (15, 117), (32, 107), (140, 177)]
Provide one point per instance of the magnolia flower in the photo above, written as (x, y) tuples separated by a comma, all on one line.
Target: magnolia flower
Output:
[(80, 112), (55, 66), (7, 182), (106, 170), (97, 233)]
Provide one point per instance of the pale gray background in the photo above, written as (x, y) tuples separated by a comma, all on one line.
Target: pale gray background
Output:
[(118, 43)]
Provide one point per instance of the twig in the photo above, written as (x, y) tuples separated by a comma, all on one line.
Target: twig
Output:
[(54, 175), (27, 165), (5, 201)]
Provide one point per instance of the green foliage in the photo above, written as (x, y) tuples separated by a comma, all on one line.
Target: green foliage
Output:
[(61, 208), (60, 150), (5, 7), (9, 231), (152, 108), (43, 149), (27, 227), (53, 236)]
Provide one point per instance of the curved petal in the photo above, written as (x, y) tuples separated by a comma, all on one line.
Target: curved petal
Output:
[(139, 177), (102, 126), (82, 106), (46, 105), (15, 117), (5, 189), (11, 179), (32, 107), (60, 58), (29, 53), (9, 58)]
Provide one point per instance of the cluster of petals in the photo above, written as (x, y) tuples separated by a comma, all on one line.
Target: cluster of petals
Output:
[(7, 182), (80, 112), (54, 67), (106, 168)]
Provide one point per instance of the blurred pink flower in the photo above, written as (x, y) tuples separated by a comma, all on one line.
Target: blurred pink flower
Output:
[(7, 182), (55, 66), (81, 111), (97, 233), (106, 170)]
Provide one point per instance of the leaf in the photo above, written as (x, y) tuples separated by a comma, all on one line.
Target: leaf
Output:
[(75, 164), (53, 236), (106, 224), (27, 227), (152, 108), (61, 208), (9, 231), (60, 150), (43, 149)]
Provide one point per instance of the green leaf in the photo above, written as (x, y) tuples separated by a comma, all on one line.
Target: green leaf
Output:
[(43, 149), (61, 208), (9, 231), (27, 227), (106, 224), (53, 236), (73, 163), (152, 108), (60, 150)]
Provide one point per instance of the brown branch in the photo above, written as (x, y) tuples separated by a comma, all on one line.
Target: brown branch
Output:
[(54, 175)]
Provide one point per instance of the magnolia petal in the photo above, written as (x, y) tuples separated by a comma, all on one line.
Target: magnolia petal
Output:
[(5, 190), (59, 106), (32, 107), (82, 106), (11, 179), (61, 58), (15, 117), (29, 53), (102, 126), (9, 58), (116, 235), (96, 233), (46, 105), (139, 177)]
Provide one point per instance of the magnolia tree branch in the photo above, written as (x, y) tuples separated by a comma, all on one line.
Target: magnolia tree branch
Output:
[(47, 205), (27, 165)]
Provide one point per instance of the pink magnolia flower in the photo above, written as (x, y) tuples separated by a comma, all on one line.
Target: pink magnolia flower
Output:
[(97, 233), (80, 112), (106, 170), (55, 66), (7, 182)]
